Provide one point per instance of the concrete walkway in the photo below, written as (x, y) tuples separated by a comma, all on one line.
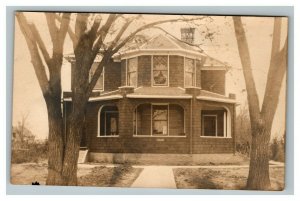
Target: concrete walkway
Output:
[(155, 177)]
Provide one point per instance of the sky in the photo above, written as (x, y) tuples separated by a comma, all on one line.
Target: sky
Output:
[(28, 99)]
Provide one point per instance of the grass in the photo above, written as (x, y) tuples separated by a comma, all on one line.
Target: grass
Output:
[(88, 175), (119, 176), (223, 178)]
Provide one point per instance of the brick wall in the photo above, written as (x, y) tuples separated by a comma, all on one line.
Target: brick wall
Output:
[(213, 80), (176, 68), (211, 144), (126, 142), (144, 71), (176, 120)]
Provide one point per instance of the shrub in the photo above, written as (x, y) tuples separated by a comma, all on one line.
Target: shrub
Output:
[(36, 151), (277, 149)]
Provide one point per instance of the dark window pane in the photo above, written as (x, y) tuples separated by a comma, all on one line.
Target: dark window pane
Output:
[(209, 125)]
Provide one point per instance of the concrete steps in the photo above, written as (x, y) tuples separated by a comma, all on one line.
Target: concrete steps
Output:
[(83, 153)]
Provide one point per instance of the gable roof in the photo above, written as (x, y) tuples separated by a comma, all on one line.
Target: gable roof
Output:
[(159, 44)]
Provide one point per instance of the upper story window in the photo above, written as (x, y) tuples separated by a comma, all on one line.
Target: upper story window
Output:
[(160, 74), (100, 82), (132, 66), (189, 72)]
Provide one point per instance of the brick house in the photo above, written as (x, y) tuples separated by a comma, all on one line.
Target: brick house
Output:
[(163, 97)]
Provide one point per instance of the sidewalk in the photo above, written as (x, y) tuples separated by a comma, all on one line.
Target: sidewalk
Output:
[(155, 177)]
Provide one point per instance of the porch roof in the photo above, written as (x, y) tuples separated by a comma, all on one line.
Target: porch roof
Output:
[(159, 92), (211, 96), (105, 96)]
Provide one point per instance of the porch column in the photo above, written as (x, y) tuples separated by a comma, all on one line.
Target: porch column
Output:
[(125, 119), (195, 126)]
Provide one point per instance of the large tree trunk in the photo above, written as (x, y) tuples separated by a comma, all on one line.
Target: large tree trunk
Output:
[(55, 145), (261, 121), (258, 177), (71, 153)]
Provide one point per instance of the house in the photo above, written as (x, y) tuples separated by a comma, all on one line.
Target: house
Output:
[(165, 96)]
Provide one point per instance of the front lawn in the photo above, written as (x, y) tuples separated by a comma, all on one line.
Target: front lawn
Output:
[(222, 178), (88, 175)]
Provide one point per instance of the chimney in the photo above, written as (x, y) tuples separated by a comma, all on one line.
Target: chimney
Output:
[(187, 35)]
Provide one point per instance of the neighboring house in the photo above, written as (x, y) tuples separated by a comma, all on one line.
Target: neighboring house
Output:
[(164, 96)]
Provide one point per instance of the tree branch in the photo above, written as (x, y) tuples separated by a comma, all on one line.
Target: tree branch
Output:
[(80, 27), (63, 29), (121, 32), (102, 34), (104, 61), (242, 43), (150, 25), (50, 17), (70, 32), (36, 60), (94, 29), (277, 70), (40, 43)]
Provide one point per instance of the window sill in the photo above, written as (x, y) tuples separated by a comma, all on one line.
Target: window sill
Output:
[(214, 137), (108, 136), (156, 136)]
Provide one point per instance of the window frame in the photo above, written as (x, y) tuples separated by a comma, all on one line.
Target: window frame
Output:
[(193, 73), (202, 130), (151, 121), (168, 69), (99, 121), (130, 72)]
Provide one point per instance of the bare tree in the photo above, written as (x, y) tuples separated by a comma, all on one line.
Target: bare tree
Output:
[(89, 37), (51, 87), (261, 120)]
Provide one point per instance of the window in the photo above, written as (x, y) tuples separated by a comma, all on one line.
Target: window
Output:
[(132, 65), (215, 123), (209, 125), (189, 72), (100, 82), (111, 123), (108, 122), (160, 71), (159, 119)]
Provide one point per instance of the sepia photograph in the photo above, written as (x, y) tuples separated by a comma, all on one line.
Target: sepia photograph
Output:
[(149, 100)]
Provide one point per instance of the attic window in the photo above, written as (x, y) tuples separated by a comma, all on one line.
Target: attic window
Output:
[(100, 82), (160, 71)]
